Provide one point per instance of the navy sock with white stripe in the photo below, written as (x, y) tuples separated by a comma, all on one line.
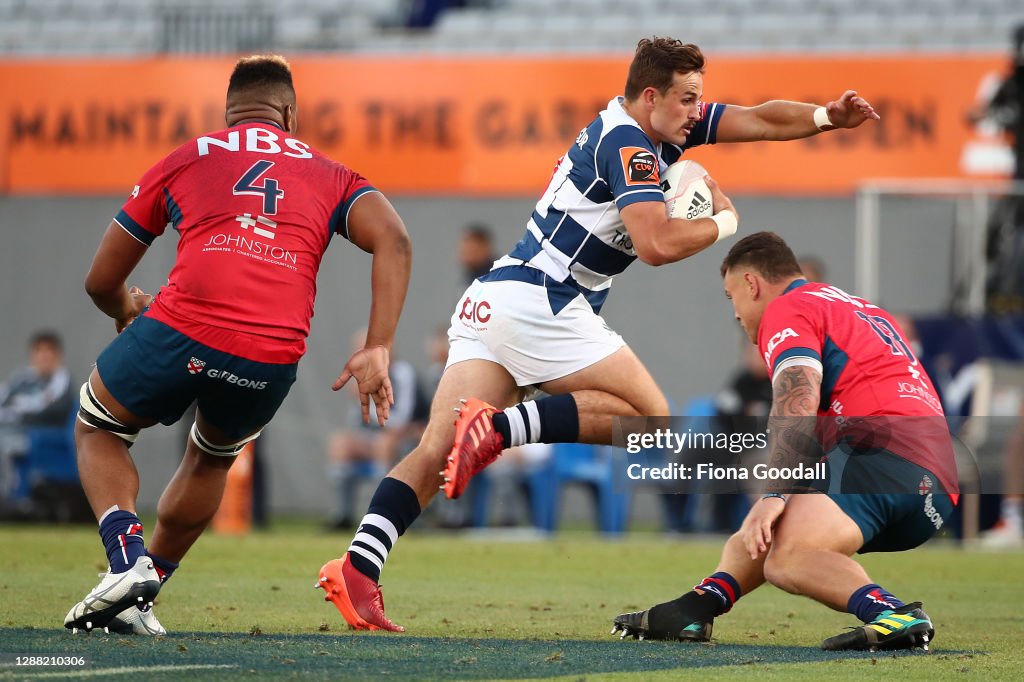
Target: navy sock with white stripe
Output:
[(553, 419), (393, 509), (122, 537), (164, 568), (868, 602)]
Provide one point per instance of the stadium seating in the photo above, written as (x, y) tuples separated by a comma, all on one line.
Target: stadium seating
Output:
[(50, 457), (118, 27), (591, 465)]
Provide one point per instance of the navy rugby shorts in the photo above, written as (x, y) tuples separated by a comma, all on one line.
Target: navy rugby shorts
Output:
[(157, 372), (897, 504)]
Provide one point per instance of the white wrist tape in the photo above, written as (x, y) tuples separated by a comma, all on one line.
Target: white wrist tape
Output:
[(822, 120), (727, 224)]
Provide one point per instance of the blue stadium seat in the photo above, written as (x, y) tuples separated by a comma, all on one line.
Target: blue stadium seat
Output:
[(579, 463), (479, 493), (679, 509), (50, 456)]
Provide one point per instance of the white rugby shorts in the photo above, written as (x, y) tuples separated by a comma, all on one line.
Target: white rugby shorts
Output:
[(510, 322)]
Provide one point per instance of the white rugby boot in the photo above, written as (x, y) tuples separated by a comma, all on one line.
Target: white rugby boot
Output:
[(136, 621), (138, 586)]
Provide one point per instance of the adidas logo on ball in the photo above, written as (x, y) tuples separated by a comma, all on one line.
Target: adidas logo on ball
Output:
[(699, 204)]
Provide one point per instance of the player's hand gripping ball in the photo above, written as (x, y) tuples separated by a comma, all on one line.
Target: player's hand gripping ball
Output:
[(687, 196)]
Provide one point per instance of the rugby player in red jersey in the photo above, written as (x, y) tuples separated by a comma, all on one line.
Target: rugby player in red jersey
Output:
[(255, 209), (846, 385)]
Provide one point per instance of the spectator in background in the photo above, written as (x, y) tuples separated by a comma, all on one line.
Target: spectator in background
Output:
[(436, 348), (813, 268), (39, 394), (508, 494), (1009, 530), (36, 395), (476, 252), (451, 514), (1005, 107), (1005, 239), (746, 398), (360, 447)]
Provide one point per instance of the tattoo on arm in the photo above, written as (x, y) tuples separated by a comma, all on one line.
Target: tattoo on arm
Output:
[(796, 393)]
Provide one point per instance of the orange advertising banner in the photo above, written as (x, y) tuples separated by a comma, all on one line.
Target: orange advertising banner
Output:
[(478, 125)]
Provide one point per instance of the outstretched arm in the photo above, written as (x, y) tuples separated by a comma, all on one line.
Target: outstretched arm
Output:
[(783, 120), (375, 227)]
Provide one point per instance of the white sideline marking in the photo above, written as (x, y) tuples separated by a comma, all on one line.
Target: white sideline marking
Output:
[(99, 672)]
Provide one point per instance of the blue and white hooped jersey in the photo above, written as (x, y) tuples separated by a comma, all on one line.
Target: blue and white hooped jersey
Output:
[(575, 236)]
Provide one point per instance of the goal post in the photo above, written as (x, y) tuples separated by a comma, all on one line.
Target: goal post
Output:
[(973, 202)]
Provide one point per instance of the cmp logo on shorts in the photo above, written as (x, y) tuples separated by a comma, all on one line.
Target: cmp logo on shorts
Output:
[(639, 165), (195, 365)]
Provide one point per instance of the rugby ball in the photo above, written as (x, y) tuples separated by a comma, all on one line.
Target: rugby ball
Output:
[(686, 194)]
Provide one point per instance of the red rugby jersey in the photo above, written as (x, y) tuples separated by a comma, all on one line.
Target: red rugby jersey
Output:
[(868, 370), (255, 209)]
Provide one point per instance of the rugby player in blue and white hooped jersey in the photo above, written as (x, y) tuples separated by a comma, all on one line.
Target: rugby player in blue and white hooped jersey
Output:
[(534, 321)]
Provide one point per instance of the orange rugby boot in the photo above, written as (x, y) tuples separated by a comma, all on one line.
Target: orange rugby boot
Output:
[(477, 444), (356, 596)]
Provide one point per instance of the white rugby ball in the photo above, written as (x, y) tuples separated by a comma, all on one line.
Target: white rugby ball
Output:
[(686, 194)]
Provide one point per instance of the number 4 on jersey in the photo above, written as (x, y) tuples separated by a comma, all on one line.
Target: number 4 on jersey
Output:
[(269, 191)]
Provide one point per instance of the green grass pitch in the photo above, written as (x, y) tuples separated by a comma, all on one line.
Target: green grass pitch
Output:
[(482, 609)]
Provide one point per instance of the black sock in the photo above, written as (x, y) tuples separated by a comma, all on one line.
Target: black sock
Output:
[(667, 620), (554, 419)]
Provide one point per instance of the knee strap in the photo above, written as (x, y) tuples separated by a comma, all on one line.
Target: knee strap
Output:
[(91, 412), (219, 450)]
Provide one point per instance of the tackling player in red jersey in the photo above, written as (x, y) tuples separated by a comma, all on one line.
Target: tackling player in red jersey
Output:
[(845, 385), (255, 209)]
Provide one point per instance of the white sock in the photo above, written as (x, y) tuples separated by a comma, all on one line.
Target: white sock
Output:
[(523, 423), (108, 513)]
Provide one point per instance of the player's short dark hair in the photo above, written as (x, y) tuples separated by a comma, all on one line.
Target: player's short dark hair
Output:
[(46, 337), (656, 62), (259, 71), (765, 252)]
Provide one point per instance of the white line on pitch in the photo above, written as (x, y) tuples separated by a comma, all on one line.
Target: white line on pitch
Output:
[(98, 672)]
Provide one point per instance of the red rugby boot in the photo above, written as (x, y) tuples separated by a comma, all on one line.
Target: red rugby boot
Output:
[(356, 596), (477, 444)]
